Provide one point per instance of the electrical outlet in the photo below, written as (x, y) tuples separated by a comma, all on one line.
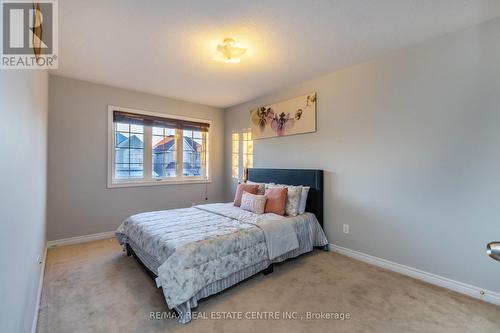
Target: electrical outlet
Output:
[(39, 260), (346, 228)]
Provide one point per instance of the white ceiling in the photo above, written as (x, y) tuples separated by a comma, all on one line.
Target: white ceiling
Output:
[(166, 47)]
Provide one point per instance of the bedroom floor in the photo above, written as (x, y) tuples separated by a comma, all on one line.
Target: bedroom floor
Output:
[(94, 287)]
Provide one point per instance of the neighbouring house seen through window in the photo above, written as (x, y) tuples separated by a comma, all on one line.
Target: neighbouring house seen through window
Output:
[(129, 151)]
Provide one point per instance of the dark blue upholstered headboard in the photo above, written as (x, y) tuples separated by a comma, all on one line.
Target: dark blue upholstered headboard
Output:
[(312, 178)]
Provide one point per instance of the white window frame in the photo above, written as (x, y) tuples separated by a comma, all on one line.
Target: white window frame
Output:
[(114, 183)]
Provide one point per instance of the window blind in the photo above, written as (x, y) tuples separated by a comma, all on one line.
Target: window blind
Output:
[(142, 119)]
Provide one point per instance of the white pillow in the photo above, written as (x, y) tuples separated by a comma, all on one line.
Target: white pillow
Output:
[(292, 200), (303, 199), (253, 202)]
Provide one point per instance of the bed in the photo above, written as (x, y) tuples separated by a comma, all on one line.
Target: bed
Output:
[(199, 251)]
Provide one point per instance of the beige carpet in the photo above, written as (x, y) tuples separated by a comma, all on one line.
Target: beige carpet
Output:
[(94, 287)]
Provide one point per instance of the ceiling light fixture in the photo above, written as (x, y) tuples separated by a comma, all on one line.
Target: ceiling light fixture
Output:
[(229, 51)]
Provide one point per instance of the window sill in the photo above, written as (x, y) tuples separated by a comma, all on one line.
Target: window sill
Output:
[(158, 182)]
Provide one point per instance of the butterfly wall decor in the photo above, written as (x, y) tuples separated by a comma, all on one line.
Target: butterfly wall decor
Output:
[(293, 116)]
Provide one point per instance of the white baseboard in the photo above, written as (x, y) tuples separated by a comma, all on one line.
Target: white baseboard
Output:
[(81, 239), (463, 288), (39, 292)]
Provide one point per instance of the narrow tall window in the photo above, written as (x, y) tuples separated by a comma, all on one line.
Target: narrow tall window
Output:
[(154, 148), (241, 153), (235, 155), (247, 149)]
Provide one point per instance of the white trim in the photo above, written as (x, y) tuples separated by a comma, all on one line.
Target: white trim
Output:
[(39, 292), (460, 287), (111, 144), (113, 183), (80, 239), (148, 152)]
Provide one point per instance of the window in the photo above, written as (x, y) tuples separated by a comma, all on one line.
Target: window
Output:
[(240, 162), (247, 149), (148, 148), (235, 155), (129, 151), (194, 153), (164, 152)]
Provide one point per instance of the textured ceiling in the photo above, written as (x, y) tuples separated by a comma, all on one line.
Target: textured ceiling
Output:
[(166, 47)]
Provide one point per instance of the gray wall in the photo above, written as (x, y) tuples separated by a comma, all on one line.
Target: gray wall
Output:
[(410, 146), (23, 160), (79, 202)]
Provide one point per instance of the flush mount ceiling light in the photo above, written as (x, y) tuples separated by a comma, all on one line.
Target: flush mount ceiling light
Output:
[(229, 51)]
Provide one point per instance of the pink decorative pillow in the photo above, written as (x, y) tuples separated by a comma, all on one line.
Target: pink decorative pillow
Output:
[(276, 200), (253, 202), (250, 188), (262, 187)]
